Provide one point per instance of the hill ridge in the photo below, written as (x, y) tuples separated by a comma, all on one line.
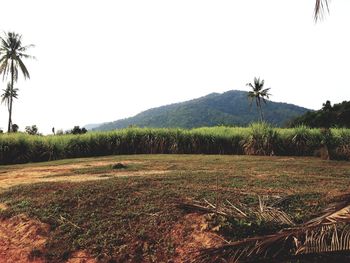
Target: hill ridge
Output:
[(229, 108)]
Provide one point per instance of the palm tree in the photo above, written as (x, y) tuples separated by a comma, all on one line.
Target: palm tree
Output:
[(320, 6), (258, 94), (7, 95), (11, 54)]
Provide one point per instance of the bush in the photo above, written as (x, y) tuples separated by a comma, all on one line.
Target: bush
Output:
[(31, 130), (261, 140)]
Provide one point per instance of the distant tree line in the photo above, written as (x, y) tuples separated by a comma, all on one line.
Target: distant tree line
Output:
[(329, 116)]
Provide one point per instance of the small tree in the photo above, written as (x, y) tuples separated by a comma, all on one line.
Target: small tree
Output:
[(32, 130), (77, 130), (14, 127), (8, 95)]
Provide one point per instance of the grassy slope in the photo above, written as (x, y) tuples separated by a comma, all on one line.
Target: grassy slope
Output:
[(131, 217)]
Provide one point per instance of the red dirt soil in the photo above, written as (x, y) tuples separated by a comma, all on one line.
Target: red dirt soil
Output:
[(19, 236), (190, 235)]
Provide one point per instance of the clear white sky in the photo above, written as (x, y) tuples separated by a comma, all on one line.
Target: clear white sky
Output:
[(103, 60)]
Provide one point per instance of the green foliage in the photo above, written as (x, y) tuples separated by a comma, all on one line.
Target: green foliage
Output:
[(337, 115), (230, 109), (342, 141), (258, 139), (262, 140), (301, 142), (14, 127), (77, 130), (31, 130)]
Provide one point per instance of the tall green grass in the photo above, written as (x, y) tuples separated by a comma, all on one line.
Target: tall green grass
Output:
[(259, 139)]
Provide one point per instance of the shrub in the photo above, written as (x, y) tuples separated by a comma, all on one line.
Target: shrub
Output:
[(342, 141), (262, 140)]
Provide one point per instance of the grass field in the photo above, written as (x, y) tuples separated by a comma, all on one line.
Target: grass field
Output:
[(132, 214)]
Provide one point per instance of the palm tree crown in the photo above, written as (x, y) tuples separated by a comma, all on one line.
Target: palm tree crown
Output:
[(8, 93), (11, 54), (258, 94)]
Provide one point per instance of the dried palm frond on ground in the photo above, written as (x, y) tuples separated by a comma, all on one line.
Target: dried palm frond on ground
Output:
[(328, 233), (286, 244), (263, 212)]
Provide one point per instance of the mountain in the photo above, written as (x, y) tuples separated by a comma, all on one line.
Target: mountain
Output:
[(228, 108), (92, 126)]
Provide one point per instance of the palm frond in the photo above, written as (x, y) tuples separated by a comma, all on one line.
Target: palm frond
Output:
[(328, 233), (13, 51), (23, 68), (332, 215), (262, 212), (268, 213), (25, 48), (250, 85), (320, 7), (6, 96)]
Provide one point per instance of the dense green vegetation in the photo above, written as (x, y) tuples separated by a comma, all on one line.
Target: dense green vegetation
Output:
[(337, 115), (229, 108), (258, 139)]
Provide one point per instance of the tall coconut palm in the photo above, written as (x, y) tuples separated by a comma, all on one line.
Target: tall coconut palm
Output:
[(258, 94), (320, 7), (7, 95), (11, 54)]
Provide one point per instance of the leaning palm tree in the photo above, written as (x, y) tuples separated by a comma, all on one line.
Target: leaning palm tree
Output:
[(7, 95), (11, 54), (258, 94), (320, 7)]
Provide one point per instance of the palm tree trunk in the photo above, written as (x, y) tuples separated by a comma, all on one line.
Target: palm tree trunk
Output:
[(11, 92), (258, 104)]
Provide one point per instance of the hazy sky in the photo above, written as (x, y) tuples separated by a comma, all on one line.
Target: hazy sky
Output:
[(104, 60)]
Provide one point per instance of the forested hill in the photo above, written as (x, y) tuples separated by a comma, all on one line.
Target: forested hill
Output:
[(337, 115), (228, 108)]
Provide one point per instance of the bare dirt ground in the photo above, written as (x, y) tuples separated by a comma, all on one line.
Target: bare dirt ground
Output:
[(190, 235), (20, 237)]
